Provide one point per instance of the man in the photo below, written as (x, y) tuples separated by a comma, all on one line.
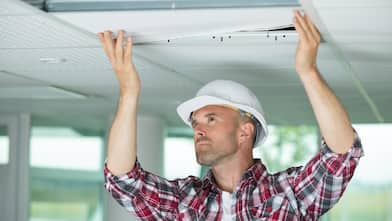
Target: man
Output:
[(228, 121)]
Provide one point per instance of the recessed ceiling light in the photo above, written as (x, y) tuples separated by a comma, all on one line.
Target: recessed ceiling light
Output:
[(52, 60)]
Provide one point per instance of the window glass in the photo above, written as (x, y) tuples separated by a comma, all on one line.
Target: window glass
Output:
[(4, 145), (65, 148), (180, 158), (66, 178), (287, 146), (369, 195)]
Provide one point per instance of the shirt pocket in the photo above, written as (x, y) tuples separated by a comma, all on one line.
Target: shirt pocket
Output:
[(268, 207)]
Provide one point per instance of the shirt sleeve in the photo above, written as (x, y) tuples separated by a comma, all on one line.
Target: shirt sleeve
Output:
[(320, 184), (142, 193)]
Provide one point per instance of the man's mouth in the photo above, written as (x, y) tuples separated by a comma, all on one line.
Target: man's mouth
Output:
[(202, 142)]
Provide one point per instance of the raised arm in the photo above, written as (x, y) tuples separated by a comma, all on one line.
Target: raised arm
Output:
[(331, 116), (121, 155)]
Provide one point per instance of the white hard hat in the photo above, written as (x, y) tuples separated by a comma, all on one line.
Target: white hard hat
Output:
[(225, 92)]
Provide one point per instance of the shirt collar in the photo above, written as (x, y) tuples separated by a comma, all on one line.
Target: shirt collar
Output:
[(253, 174), (256, 172)]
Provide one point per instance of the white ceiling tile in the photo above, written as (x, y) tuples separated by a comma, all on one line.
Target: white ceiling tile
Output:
[(8, 79), (379, 89), (371, 24), (375, 71), (259, 55), (74, 63), (207, 56), (36, 92), (370, 52), (385, 107), (88, 67), (254, 75), (167, 24), (359, 110), (37, 31), (351, 3), (16, 7)]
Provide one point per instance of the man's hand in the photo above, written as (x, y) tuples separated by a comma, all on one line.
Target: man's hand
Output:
[(309, 41), (121, 60)]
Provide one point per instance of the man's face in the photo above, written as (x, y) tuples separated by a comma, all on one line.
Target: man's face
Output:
[(215, 134)]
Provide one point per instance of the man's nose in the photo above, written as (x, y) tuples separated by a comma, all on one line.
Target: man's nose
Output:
[(199, 131)]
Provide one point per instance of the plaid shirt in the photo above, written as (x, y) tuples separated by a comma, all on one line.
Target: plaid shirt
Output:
[(298, 193)]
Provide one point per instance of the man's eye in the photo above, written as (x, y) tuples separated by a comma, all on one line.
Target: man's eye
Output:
[(210, 119)]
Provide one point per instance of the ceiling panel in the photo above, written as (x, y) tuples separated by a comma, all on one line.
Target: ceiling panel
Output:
[(38, 31), (362, 33), (357, 21), (370, 52), (15, 7), (36, 92), (358, 109), (222, 56), (258, 54), (83, 67), (70, 59), (319, 4), (376, 71), (8, 79), (157, 86), (76, 66), (385, 107), (379, 89), (172, 24)]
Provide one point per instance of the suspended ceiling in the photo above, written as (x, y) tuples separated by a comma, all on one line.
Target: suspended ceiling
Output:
[(176, 51)]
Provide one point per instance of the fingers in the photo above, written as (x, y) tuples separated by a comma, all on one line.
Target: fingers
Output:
[(313, 29), (108, 41), (301, 26), (119, 47), (102, 40), (114, 47), (298, 27), (128, 50), (305, 27)]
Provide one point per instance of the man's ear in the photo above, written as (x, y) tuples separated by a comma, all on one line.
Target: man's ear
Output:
[(246, 132)]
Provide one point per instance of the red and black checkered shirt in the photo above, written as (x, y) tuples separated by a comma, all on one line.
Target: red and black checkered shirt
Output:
[(298, 193)]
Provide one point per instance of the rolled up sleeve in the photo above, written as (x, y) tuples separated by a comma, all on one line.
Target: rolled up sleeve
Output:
[(320, 184)]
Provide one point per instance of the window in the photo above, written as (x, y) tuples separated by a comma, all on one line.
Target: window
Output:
[(179, 154), (4, 146), (288, 146), (66, 175), (369, 195), (65, 148)]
